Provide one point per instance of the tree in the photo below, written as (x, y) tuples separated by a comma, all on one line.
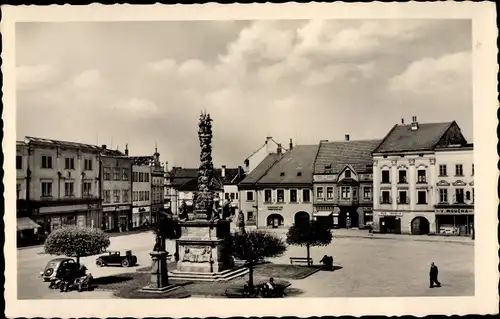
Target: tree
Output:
[(309, 234), (73, 241), (254, 246), (166, 228)]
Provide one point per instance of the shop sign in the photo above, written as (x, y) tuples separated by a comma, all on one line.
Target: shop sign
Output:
[(109, 209), (454, 211), (398, 214), (274, 207)]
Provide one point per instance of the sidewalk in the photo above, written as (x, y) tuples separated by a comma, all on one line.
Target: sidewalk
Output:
[(361, 233)]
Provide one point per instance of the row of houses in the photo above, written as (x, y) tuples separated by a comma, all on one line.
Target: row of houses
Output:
[(418, 179), (63, 183)]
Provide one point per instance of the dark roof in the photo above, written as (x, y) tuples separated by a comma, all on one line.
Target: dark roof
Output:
[(232, 177), (187, 178), (73, 145), (402, 138), (260, 170), (142, 160), (179, 176), (334, 156), (294, 167), (21, 143)]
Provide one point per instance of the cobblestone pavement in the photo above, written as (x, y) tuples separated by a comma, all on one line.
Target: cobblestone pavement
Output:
[(396, 267)]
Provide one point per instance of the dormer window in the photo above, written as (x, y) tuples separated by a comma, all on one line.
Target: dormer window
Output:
[(347, 174), (329, 166), (282, 174), (299, 173)]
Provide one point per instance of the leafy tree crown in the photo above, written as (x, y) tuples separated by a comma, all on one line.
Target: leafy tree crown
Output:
[(256, 245), (312, 234), (75, 241)]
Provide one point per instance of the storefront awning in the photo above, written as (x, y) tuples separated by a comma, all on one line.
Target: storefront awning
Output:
[(25, 223), (322, 214)]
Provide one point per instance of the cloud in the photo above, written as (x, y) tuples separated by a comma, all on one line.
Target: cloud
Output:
[(89, 79), (450, 72), (141, 107), (30, 76)]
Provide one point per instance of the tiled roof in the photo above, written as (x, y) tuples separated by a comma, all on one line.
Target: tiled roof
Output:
[(334, 156), (294, 167), (188, 177), (403, 138), (232, 177), (260, 170), (21, 143), (74, 145), (142, 160)]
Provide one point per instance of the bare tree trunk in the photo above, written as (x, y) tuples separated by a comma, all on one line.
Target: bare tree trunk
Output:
[(308, 255)]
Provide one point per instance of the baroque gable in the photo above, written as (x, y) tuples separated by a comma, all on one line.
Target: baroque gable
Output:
[(459, 183), (443, 183)]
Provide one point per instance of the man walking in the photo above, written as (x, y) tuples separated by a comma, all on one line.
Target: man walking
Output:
[(433, 276)]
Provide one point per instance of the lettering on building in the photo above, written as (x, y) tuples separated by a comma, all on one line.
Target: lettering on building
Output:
[(457, 211)]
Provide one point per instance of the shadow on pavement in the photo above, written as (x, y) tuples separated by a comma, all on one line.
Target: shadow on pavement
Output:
[(108, 280)]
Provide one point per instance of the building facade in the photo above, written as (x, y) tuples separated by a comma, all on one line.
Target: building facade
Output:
[(405, 175), (278, 192), (116, 183), (270, 146), (343, 182), (61, 181), (141, 191)]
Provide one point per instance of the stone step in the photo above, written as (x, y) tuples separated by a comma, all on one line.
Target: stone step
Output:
[(199, 276)]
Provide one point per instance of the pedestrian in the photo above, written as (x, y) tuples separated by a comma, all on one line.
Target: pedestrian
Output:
[(370, 230), (433, 276)]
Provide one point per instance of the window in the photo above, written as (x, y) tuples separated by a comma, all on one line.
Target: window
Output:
[(141, 195), (299, 173), (146, 177), (107, 196), (87, 164), (385, 177), (46, 189), (124, 174), (69, 188), (106, 172), (421, 178), (459, 170), (87, 188), (403, 198), (367, 192), (473, 197), (442, 170), (69, 163), (293, 195), (237, 195), (422, 197), (116, 196), (355, 193), (19, 162), (18, 190), (226, 196), (46, 161), (135, 196), (472, 169), (467, 195), (347, 174), (386, 197), (282, 174), (125, 195), (268, 196), (329, 192), (319, 192), (116, 174), (402, 176), (134, 177), (250, 216), (459, 195), (306, 196), (249, 195), (147, 195), (232, 196), (443, 195), (345, 192), (281, 195)]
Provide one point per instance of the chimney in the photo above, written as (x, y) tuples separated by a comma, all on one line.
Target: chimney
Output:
[(223, 171), (103, 146), (347, 137), (269, 142), (166, 166), (126, 149), (402, 121), (414, 123), (291, 144), (279, 149)]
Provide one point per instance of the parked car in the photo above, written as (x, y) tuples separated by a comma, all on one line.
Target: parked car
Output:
[(56, 266), (115, 258)]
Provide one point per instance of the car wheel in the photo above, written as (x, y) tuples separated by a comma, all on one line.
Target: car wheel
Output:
[(99, 262), (125, 263), (48, 272)]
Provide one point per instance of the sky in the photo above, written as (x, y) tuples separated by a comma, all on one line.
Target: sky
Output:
[(145, 83)]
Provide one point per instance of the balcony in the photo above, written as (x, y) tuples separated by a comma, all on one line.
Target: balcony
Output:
[(385, 201), (347, 201), (402, 181), (403, 201), (385, 181), (422, 180)]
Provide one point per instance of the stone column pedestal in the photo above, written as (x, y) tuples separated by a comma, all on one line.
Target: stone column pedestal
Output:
[(159, 273)]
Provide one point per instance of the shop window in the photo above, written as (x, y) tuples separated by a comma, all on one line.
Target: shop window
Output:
[(306, 196), (421, 178), (442, 170), (329, 193), (422, 197), (268, 196), (250, 196), (459, 170), (443, 195), (281, 195), (293, 195), (386, 177), (386, 197), (402, 176), (19, 162), (319, 192)]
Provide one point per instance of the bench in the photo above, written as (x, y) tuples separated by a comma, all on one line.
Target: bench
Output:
[(300, 260)]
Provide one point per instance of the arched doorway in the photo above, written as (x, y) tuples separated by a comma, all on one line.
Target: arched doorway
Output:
[(301, 218), (420, 226), (275, 220)]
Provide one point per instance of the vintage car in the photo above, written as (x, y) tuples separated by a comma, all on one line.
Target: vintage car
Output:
[(115, 258), (56, 266)]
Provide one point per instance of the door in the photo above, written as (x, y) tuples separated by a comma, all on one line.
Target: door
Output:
[(397, 225)]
